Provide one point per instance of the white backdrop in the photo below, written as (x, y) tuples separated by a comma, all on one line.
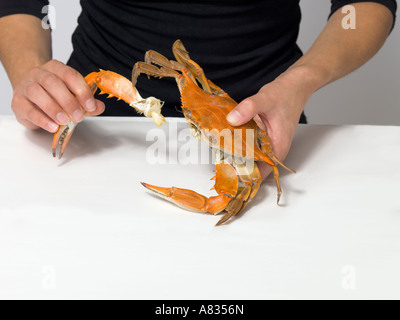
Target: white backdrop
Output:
[(371, 95)]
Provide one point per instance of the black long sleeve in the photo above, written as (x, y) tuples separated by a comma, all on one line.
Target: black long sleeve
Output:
[(32, 7)]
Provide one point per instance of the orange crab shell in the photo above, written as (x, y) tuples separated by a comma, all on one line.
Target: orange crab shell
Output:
[(210, 119)]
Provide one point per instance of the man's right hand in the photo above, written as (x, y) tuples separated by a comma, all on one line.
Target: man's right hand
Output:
[(51, 95)]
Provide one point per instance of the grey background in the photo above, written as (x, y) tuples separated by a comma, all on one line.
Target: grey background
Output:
[(371, 95)]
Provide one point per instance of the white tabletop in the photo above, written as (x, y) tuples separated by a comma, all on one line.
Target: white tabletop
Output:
[(84, 227)]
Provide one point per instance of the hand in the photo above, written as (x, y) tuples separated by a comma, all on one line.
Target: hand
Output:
[(276, 108), (51, 95)]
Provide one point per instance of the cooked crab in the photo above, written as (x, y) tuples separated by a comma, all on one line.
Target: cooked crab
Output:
[(236, 149)]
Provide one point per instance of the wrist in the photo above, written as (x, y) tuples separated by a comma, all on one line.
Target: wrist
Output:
[(299, 83), (311, 77), (32, 61)]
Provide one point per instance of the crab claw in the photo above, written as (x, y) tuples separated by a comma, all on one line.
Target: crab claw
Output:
[(117, 86), (61, 138)]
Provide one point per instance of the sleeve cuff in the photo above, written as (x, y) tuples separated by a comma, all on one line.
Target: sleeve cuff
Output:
[(390, 4), (32, 7)]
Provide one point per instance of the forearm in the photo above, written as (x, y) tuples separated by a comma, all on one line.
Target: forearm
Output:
[(24, 44), (337, 51)]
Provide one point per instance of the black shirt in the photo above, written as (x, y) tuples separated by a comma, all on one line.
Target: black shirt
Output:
[(240, 44)]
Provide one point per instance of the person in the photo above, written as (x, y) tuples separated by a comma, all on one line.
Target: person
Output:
[(248, 48)]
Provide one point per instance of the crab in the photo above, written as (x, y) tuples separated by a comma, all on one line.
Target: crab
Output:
[(205, 106), (236, 149)]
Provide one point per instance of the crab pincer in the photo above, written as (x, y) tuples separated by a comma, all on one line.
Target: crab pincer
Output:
[(117, 86)]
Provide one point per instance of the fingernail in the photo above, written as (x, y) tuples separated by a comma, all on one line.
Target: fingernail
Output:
[(62, 118), (90, 105), (234, 117), (77, 115), (52, 126)]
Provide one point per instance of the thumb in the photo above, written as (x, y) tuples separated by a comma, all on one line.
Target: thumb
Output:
[(244, 112), (100, 107)]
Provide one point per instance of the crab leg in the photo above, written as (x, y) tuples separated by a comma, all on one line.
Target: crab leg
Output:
[(170, 65), (191, 200), (266, 147), (182, 56), (226, 185), (169, 68), (151, 70), (235, 189), (249, 182), (217, 90), (157, 58), (62, 137), (114, 85)]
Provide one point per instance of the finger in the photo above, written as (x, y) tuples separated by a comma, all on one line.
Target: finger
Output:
[(100, 107), (265, 169), (75, 83), (55, 87), (34, 118), (245, 111), (39, 97), (28, 124)]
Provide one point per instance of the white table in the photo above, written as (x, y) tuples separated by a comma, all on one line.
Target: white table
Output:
[(84, 227)]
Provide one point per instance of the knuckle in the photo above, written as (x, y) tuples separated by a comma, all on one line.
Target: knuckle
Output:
[(31, 88), (15, 104), (37, 118), (247, 101), (28, 124), (70, 99), (51, 109), (71, 75), (79, 92), (70, 104), (48, 79), (36, 70), (249, 105), (54, 62), (15, 98)]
